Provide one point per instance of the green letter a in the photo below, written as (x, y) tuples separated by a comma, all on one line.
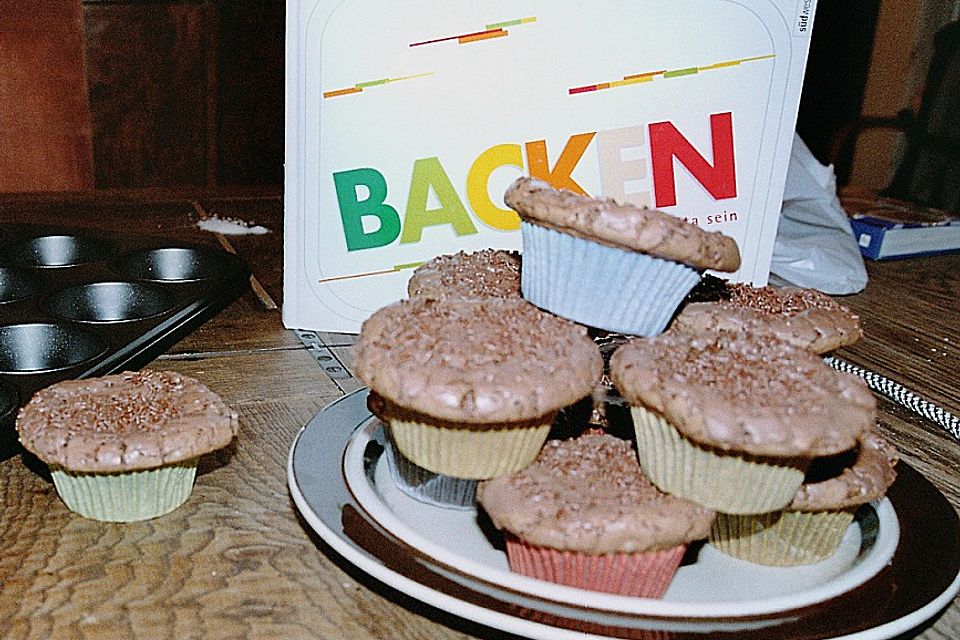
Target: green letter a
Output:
[(428, 173)]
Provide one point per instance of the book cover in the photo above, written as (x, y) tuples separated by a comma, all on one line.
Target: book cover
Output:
[(887, 228), (407, 120)]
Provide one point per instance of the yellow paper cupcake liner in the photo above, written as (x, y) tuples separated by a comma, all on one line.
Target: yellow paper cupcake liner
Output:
[(126, 496), (468, 453), (723, 481), (782, 539)]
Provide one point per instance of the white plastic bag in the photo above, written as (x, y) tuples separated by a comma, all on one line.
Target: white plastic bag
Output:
[(815, 246)]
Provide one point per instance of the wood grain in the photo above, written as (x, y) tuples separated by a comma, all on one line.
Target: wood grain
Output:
[(237, 561)]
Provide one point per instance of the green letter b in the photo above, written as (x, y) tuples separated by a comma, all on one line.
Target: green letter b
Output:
[(353, 210)]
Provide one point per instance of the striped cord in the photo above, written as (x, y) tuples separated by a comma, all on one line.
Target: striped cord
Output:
[(901, 395)]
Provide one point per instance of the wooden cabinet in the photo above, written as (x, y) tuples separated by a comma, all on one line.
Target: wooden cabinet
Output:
[(45, 140), (185, 92)]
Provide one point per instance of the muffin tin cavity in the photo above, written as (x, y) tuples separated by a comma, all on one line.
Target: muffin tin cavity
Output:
[(17, 284), (75, 303), (171, 264), (57, 251), (29, 348), (109, 302)]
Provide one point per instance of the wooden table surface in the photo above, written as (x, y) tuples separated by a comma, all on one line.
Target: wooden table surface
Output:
[(237, 560)]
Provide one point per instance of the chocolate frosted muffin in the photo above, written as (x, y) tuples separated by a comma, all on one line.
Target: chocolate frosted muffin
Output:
[(489, 273), (732, 420), (611, 266), (470, 389), (804, 317), (812, 526), (583, 514), (125, 447)]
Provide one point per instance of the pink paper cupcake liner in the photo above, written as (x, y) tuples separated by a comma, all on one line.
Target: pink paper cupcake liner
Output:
[(644, 574)]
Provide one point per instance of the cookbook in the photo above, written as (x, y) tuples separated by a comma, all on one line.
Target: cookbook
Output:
[(407, 119)]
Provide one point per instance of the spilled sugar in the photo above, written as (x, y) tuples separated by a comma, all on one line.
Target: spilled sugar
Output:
[(231, 226)]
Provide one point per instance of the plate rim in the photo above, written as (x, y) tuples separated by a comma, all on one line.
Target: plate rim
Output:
[(376, 568), (880, 555)]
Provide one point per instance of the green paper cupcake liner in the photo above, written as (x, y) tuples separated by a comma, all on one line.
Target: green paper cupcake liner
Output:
[(126, 496), (723, 481)]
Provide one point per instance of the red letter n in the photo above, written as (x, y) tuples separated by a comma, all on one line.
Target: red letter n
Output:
[(667, 143)]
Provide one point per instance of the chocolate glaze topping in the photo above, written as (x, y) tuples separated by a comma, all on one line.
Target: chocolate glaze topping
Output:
[(746, 393), (804, 317), (489, 273), (589, 494), (867, 478), (127, 421), (622, 225), (476, 362)]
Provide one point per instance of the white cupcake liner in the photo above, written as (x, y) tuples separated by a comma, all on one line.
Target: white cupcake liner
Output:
[(126, 496), (601, 286), (426, 486)]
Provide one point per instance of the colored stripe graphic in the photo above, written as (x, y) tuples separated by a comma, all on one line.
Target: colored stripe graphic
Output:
[(360, 86), (648, 76), (494, 30), (394, 269)]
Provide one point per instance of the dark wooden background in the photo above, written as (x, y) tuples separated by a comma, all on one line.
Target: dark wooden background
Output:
[(185, 92)]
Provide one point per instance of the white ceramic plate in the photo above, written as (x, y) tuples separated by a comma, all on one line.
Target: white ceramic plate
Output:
[(871, 589)]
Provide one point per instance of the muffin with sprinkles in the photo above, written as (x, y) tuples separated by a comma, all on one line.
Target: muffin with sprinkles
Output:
[(584, 515), (611, 266), (125, 447), (733, 420), (811, 528), (488, 273), (803, 317), (470, 389)]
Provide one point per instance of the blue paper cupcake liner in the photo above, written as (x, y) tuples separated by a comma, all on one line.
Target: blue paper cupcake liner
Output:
[(428, 487), (600, 286)]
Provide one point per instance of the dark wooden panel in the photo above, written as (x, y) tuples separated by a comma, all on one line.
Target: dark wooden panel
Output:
[(250, 110), (152, 77), (45, 139)]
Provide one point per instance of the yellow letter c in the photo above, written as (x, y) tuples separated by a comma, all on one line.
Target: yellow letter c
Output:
[(478, 180)]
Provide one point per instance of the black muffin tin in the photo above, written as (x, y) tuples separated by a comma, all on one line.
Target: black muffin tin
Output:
[(76, 303)]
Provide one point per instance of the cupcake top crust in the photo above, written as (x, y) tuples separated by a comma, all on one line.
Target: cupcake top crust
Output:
[(804, 317), (125, 421), (478, 362), (745, 393), (488, 273), (840, 482), (589, 494), (623, 226)]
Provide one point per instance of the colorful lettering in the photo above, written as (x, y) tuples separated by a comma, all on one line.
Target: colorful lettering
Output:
[(667, 143), (478, 179), (615, 172), (560, 176), (353, 209), (428, 173)]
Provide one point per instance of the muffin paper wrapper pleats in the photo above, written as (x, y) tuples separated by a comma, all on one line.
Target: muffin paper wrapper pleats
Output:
[(783, 538), (126, 496), (468, 453), (723, 481), (425, 486), (600, 286), (643, 574)]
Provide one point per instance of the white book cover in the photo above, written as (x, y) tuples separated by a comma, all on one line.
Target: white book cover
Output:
[(407, 119)]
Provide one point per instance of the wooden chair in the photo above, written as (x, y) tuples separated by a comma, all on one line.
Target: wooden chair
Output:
[(929, 173)]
